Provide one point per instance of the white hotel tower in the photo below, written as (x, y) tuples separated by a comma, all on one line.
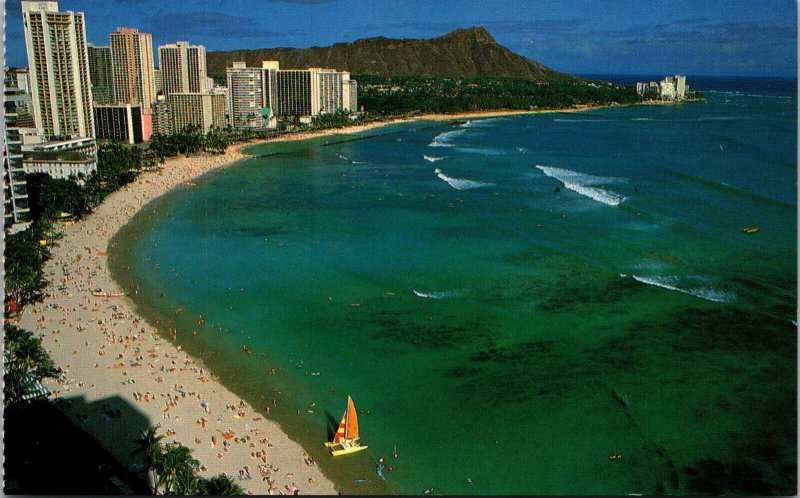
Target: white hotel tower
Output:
[(59, 70)]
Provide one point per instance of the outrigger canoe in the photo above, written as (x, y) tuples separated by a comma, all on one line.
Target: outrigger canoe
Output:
[(108, 294)]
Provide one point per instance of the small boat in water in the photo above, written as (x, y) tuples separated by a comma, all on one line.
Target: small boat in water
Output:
[(751, 229), (346, 438)]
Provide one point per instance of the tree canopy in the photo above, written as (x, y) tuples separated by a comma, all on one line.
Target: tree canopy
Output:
[(25, 360)]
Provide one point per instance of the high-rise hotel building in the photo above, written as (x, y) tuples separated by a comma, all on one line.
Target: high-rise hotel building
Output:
[(100, 73), (132, 67), (19, 121), (183, 68), (200, 110), (292, 92), (59, 69), (251, 94)]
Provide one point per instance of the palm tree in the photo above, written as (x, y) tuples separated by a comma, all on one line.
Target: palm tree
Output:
[(173, 461), (222, 485), (188, 484), (150, 444), (24, 359)]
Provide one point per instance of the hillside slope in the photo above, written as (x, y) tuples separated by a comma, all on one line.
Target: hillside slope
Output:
[(461, 53)]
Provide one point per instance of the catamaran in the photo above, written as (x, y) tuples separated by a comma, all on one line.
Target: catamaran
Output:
[(346, 439)]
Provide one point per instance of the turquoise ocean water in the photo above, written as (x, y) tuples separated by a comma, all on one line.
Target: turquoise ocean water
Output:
[(535, 294)]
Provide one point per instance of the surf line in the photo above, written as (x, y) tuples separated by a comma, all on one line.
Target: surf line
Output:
[(438, 295), (667, 283), (460, 183), (582, 184)]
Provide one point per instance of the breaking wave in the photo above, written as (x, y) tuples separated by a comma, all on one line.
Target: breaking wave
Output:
[(670, 283), (583, 184), (445, 139), (433, 159), (566, 120), (721, 118), (459, 183), (439, 294), (481, 123)]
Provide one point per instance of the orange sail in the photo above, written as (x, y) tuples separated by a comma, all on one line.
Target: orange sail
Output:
[(348, 427), (351, 426)]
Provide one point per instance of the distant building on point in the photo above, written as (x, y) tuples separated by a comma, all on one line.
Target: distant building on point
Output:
[(670, 88)]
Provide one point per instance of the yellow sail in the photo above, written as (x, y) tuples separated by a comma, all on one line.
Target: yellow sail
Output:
[(351, 422)]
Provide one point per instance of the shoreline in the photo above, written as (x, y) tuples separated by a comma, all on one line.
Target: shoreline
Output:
[(119, 372), (112, 356)]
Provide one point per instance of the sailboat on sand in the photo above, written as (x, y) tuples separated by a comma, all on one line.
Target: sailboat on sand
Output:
[(346, 439)]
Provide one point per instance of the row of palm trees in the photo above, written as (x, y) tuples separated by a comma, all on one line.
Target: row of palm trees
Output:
[(173, 470), (25, 361)]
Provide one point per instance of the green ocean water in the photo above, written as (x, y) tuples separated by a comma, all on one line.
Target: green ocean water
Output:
[(516, 324)]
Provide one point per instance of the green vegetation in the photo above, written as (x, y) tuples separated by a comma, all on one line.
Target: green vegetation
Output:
[(408, 95), (25, 254), (189, 141), (25, 361), (174, 470)]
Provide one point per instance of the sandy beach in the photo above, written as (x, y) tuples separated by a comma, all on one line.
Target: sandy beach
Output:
[(121, 376)]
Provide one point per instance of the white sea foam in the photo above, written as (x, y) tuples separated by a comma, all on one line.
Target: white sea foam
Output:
[(721, 118), (445, 139), (583, 184), (439, 294), (433, 159), (481, 123), (459, 183), (670, 283), (566, 120), (483, 151)]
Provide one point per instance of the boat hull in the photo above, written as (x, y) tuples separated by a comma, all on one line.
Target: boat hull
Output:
[(345, 448)]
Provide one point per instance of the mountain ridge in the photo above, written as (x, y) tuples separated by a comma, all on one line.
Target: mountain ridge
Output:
[(464, 52)]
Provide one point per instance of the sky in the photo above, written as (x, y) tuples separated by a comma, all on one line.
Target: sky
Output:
[(652, 37)]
